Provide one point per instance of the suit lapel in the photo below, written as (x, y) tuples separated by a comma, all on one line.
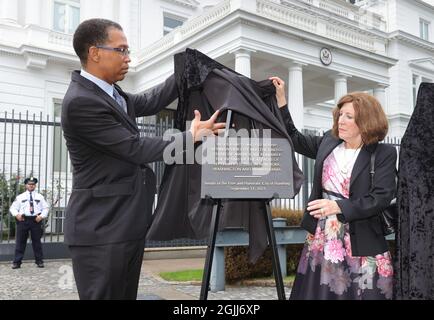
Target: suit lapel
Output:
[(327, 149), (363, 159), (110, 101), (115, 107), (327, 146)]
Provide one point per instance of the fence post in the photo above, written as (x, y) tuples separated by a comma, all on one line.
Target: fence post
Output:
[(281, 248), (217, 281)]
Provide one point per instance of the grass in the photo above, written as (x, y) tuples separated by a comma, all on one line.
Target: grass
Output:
[(183, 275), (288, 279), (197, 274)]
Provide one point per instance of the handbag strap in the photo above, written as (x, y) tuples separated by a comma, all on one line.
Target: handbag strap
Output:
[(372, 172)]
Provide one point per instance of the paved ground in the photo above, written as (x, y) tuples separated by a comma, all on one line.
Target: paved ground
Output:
[(56, 282)]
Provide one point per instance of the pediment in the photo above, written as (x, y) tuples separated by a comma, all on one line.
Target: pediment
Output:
[(426, 64)]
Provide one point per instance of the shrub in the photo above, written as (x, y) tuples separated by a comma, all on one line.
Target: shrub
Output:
[(238, 267), (9, 189)]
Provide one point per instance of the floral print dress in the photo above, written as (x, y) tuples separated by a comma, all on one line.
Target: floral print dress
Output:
[(327, 270)]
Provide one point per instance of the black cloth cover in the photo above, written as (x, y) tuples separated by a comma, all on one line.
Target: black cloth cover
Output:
[(414, 267), (206, 85)]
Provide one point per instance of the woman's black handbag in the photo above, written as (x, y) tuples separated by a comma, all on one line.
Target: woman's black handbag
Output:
[(389, 215)]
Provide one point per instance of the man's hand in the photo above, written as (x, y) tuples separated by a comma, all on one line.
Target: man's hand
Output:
[(280, 91), (38, 219), (19, 217), (201, 129)]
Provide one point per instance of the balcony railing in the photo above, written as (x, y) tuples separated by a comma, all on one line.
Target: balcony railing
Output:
[(294, 13), (59, 38), (364, 17)]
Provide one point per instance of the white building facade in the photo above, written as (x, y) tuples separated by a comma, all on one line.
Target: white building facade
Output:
[(321, 48)]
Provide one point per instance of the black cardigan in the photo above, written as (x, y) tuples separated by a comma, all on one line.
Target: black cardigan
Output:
[(361, 209)]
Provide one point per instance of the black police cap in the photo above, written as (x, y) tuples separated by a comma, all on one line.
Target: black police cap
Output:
[(31, 180)]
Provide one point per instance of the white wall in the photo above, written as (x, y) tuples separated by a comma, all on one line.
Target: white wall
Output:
[(24, 89), (142, 20), (152, 26), (405, 16)]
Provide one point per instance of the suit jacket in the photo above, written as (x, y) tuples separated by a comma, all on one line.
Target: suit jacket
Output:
[(361, 209), (113, 188)]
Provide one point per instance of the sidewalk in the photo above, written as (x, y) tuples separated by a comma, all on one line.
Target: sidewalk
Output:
[(56, 282)]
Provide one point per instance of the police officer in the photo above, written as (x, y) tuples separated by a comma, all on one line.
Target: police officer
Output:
[(29, 208)]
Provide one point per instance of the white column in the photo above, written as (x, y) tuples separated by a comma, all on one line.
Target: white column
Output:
[(380, 94), (341, 87), (107, 9), (242, 62), (295, 94), (9, 11), (33, 12)]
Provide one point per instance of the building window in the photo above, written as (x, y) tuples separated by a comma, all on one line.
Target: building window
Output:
[(66, 15), (424, 29), (60, 153), (171, 22)]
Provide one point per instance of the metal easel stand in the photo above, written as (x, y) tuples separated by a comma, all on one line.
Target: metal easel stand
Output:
[(211, 247)]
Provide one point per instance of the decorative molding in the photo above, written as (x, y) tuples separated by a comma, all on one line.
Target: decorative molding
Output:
[(243, 49), (307, 21), (381, 86), (35, 60), (186, 3), (423, 4), (340, 75), (411, 39), (423, 64), (399, 116), (362, 17), (59, 38), (190, 27)]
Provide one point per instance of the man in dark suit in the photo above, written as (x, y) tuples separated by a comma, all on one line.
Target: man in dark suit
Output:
[(113, 187)]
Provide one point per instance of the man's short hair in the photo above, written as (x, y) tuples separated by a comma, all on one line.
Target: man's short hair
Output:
[(92, 32)]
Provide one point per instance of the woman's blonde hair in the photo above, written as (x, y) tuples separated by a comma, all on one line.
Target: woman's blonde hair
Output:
[(369, 117)]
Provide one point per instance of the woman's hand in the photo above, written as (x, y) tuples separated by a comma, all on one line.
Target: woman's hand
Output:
[(280, 91), (322, 208)]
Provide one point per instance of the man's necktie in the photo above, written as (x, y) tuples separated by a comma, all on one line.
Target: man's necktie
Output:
[(120, 100), (32, 211)]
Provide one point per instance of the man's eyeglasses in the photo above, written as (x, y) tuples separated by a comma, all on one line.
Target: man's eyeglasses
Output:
[(123, 51)]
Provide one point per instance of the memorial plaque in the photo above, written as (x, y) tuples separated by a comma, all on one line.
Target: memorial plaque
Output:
[(246, 168)]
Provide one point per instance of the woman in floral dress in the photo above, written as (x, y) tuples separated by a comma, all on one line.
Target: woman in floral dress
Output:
[(345, 255)]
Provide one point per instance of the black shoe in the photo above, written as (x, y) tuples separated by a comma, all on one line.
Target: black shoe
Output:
[(16, 266), (40, 264)]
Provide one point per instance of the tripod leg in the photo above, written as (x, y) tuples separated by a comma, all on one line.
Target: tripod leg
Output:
[(210, 251), (276, 265)]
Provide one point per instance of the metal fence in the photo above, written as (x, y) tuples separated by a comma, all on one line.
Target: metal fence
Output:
[(33, 145)]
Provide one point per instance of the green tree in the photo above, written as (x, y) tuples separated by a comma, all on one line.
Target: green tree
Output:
[(9, 189)]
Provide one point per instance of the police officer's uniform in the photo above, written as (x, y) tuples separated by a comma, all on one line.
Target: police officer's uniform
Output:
[(29, 205)]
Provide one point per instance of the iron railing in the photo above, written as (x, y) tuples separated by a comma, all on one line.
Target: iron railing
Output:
[(33, 145)]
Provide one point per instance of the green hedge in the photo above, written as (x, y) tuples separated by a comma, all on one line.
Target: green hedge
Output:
[(237, 264), (238, 267)]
